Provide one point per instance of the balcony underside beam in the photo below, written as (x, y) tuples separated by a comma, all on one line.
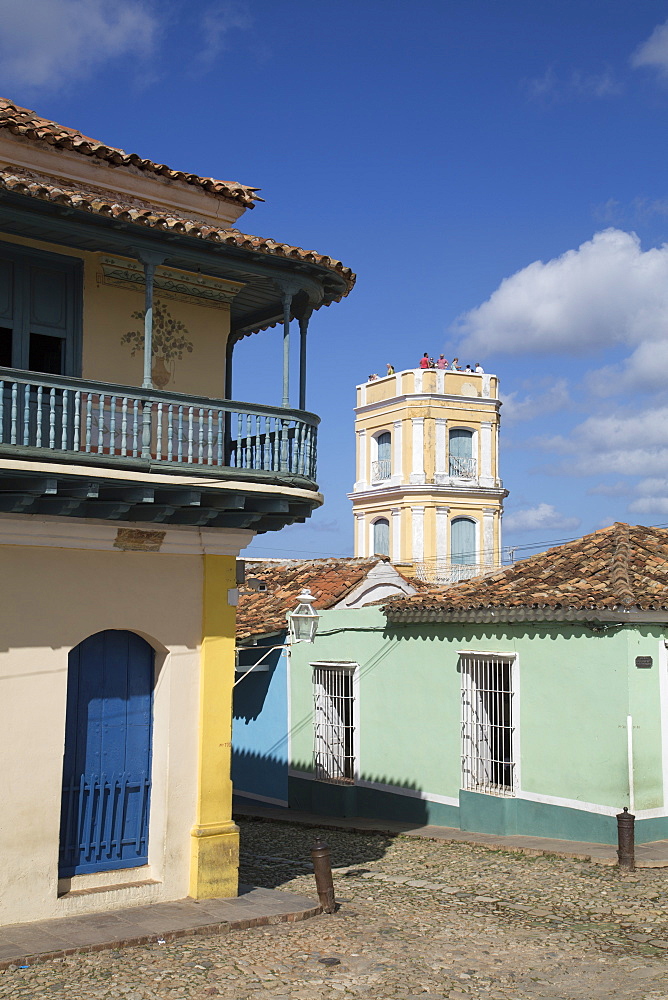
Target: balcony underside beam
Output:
[(65, 497)]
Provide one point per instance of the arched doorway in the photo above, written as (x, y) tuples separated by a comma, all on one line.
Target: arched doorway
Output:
[(107, 758)]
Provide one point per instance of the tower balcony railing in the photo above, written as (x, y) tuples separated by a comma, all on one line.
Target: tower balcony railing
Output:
[(382, 469), (446, 573), (463, 468), (73, 419)]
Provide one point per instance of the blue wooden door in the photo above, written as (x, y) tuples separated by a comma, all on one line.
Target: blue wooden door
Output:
[(107, 759)]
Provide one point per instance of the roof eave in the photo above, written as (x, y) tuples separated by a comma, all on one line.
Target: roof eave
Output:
[(484, 616)]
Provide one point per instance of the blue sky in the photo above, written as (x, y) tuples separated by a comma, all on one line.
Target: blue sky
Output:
[(495, 173)]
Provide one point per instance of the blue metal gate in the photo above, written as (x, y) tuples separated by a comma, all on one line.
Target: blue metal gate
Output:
[(107, 761)]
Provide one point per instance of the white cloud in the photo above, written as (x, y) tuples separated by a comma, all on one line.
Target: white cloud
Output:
[(553, 396), (645, 369), (652, 485), (654, 51), (47, 43), (552, 87), (650, 505), (217, 22), (618, 489), (639, 211), (636, 430), (632, 444), (608, 291), (653, 497), (543, 517)]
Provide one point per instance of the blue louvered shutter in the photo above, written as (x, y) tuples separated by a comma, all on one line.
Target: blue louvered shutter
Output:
[(462, 541), (381, 537)]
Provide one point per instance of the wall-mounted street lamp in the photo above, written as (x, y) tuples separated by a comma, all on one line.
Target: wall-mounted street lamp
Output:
[(304, 619)]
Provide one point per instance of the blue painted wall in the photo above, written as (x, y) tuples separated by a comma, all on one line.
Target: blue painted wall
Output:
[(260, 726)]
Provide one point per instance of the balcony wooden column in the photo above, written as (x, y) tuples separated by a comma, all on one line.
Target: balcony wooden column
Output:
[(303, 330), (150, 262), (287, 303)]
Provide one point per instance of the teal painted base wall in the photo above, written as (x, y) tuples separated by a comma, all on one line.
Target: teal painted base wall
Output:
[(476, 813), (372, 803)]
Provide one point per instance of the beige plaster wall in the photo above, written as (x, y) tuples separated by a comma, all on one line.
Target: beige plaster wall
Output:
[(107, 317), (51, 599)]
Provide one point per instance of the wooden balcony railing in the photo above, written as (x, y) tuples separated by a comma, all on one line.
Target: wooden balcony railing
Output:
[(70, 417)]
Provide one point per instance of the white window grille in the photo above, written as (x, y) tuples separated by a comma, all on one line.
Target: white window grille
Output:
[(382, 469), (463, 468), (488, 763), (333, 722)]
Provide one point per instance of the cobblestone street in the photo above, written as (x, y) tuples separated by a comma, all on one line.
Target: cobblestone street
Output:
[(417, 919)]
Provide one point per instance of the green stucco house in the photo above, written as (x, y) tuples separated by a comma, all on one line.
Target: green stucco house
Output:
[(532, 701)]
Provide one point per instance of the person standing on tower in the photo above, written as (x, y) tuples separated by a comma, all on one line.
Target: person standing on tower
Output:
[(424, 360)]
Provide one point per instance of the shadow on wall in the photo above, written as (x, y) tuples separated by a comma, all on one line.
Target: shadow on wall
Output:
[(250, 694), (263, 775), (371, 797)]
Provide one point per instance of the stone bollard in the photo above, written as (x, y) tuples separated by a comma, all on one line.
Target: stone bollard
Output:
[(322, 869), (626, 840)]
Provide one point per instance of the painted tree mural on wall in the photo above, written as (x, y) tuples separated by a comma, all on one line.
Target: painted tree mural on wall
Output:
[(170, 342)]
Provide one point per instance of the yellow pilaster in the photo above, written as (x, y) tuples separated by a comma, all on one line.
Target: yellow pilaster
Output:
[(214, 856)]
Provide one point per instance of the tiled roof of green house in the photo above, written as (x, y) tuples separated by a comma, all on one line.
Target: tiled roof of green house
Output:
[(613, 570)]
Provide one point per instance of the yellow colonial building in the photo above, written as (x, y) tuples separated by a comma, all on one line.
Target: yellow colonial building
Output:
[(427, 491), (130, 480)]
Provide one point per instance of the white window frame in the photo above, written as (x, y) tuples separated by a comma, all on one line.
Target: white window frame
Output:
[(481, 754), (372, 533), (463, 516), (475, 449), (374, 454), (330, 766)]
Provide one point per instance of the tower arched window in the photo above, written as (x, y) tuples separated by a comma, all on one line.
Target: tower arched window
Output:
[(462, 463), (382, 467), (381, 537), (463, 541)]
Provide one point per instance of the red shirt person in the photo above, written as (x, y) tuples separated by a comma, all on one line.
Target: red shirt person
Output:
[(424, 360)]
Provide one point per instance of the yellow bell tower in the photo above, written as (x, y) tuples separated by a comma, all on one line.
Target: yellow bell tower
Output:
[(427, 491)]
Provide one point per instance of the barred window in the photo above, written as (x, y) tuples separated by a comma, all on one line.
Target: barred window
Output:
[(488, 763), (333, 722)]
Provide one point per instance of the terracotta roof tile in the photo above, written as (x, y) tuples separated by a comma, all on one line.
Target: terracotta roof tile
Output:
[(87, 199), (23, 122), (621, 566), (329, 580)]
